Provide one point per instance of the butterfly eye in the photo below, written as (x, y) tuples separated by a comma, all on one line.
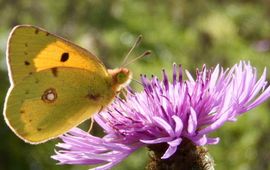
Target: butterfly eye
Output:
[(121, 77)]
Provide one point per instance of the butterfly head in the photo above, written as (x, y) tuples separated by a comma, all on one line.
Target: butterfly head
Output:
[(121, 77)]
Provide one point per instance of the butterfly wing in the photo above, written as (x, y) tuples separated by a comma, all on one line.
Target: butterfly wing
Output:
[(50, 102), (32, 49), (55, 85)]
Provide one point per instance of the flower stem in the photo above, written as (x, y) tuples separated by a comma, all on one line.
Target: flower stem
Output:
[(187, 156)]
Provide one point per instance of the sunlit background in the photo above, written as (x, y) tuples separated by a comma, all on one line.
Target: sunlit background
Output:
[(191, 33)]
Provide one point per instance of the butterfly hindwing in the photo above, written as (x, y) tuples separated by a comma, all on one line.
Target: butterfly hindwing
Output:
[(50, 102)]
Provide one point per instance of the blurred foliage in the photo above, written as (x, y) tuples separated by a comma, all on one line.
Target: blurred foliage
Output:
[(191, 33)]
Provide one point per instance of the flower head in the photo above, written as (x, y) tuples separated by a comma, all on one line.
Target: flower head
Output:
[(167, 112)]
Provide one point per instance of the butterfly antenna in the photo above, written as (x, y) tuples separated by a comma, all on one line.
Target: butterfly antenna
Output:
[(146, 53), (137, 42)]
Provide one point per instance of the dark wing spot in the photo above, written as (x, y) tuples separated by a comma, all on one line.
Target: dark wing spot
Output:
[(54, 72), (27, 63), (64, 57), (94, 97), (25, 53), (36, 31), (22, 111), (39, 129), (23, 134), (25, 44), (30, 73), (36, 81), (30, 120)]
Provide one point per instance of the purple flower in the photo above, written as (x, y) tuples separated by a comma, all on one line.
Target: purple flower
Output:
[(167, 112)]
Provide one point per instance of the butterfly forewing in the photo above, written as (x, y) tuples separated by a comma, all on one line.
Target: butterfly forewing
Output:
[(31, 49)]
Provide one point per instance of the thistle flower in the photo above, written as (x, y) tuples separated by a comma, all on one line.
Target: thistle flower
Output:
[(167, 113)]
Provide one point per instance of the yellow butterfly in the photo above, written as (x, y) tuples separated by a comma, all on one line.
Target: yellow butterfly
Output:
[(55, 84)]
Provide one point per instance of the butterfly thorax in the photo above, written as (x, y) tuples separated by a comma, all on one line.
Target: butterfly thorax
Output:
[(121, 77)]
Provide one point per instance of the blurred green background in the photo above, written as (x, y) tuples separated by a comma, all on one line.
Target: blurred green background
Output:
[(190, 33)]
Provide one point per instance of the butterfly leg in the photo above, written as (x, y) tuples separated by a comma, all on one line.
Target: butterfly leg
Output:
[(93, 121), (122, 93)]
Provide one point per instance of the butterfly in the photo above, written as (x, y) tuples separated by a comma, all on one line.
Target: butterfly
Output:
[(55, 84)]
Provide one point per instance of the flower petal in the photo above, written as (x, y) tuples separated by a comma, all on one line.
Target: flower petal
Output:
[(169, 152)]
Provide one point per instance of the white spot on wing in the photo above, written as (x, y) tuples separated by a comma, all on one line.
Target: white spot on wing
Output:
[(51, 96)]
